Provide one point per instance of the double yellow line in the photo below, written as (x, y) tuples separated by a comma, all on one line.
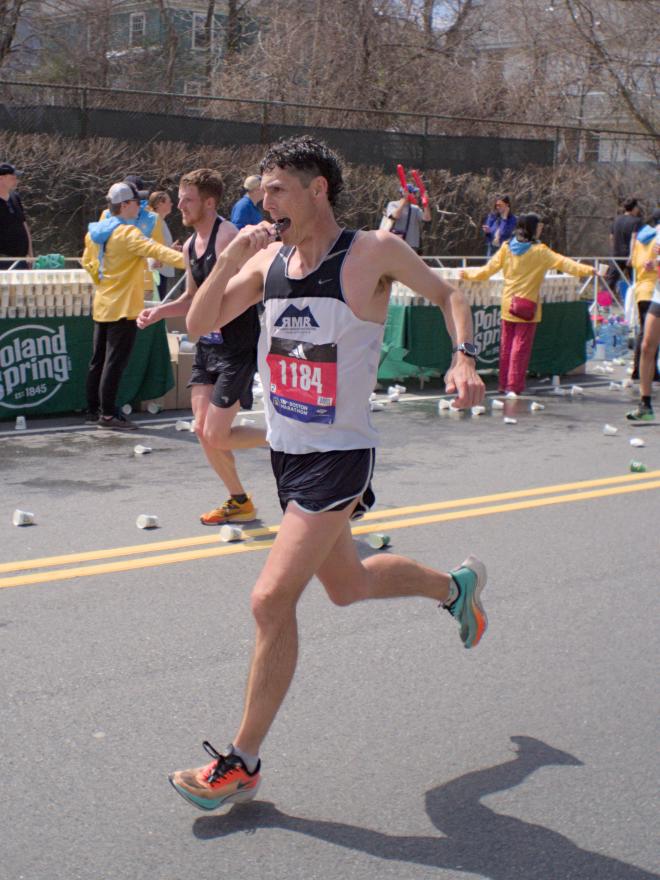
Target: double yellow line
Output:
[(59, 568)]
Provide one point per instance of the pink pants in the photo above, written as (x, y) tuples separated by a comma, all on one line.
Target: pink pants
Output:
[(516, 340)]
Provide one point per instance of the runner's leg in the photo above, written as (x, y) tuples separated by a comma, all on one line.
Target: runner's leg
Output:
[(220, 433), (348, 579), (649, 351), (221, 460), (308, 544), (301, 547)]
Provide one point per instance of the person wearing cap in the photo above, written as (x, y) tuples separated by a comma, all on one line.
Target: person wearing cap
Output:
[(404, 218), (15, 238), (115, 254), (245, 212)]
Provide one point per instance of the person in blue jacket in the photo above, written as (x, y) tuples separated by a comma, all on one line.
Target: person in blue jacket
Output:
[(246, 211), (499, 225)]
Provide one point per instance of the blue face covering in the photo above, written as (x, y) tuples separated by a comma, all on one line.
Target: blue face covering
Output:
[(518, 248), (646, 233)]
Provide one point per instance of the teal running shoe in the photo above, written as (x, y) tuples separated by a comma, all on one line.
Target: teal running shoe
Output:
[(641, 413), (470, 579)]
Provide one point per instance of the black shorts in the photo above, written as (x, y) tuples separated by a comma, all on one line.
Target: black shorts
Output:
[(231, 374), (654, 309), (322, 481)]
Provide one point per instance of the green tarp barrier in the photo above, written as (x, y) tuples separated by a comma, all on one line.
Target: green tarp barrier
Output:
[(416, 342), (43, 366)]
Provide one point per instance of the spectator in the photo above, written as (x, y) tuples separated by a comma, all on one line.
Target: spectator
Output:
[(524, 262), (643, 412), (115, 251), (621, 234), (246, 211), (15, 238), (642, 260), (160, 203), (498, 227), (405, 219)]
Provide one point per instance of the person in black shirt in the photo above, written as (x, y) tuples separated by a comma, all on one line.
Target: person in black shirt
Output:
[(620, 236), (15, 238), (226, 358)]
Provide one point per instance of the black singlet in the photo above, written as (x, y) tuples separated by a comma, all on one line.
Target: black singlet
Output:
[(243, 332)]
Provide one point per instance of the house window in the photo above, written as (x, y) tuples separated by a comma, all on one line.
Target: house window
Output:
[(200, 34), (137, 29)]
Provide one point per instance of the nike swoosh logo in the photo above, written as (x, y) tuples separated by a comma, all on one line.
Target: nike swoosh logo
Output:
[(240, 785), (325, 280)]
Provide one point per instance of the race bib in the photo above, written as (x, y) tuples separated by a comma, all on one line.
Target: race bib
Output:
[(303, 380)]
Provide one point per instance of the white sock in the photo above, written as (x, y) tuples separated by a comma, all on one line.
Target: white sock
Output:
[(250, 761)]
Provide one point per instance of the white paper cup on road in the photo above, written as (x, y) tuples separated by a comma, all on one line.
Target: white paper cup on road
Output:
[(637, 441), (183, 425), (478, 410), (23, 518), (535, 406), (393, 396), (378, 540), (400, 388), (142, 450), (577, 391), (443, 404), (154, 408), (497, 404), (229, 534), (610, 430), (127, 409), (147, 521), (21, 424), (376, 406), (509, 421)]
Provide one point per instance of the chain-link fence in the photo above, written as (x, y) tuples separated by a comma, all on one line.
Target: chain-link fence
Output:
[(364, 135)]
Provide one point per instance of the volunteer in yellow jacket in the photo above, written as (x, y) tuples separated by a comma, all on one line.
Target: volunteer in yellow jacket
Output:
[(115, 251), (642, 259), (524, 262)]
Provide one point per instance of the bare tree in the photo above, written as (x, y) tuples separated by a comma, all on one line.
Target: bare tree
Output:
[(10, 15)]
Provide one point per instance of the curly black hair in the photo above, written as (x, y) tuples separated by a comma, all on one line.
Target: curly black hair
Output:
[(311, 157)]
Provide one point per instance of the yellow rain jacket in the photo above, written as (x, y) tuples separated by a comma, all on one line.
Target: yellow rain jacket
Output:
[(524, 274)]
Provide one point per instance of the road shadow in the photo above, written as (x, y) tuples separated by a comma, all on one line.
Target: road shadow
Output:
[(475, 838)]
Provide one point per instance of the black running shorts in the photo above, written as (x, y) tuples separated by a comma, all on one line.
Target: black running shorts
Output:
[(230, 374), (322, 481)]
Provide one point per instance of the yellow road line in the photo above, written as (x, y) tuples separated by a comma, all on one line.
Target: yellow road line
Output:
[(201, 540), (171, 558)]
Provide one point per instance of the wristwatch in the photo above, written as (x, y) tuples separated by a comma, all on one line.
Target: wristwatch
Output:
[(467, 348)]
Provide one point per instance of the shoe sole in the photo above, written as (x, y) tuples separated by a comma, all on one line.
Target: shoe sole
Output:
[(477, 566), (245, 517), (240, 797)]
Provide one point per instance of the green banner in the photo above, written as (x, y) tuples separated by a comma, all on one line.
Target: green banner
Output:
[(416, 342), (43, 366)]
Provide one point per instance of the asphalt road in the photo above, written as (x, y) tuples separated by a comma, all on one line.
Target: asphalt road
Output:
[(397, 754)]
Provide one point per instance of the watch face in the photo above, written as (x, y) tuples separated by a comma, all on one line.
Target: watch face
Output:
[(469, 349)]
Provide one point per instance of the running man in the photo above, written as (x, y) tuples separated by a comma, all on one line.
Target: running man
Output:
[(325, 291), (226, 357)]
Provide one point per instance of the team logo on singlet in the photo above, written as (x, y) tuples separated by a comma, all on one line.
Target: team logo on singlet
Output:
[(296, 319)]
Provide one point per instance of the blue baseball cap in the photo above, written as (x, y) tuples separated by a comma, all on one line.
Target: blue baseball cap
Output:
[(8, 168)]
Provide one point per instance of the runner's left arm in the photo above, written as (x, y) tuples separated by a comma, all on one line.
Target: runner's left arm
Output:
[(405, 266)]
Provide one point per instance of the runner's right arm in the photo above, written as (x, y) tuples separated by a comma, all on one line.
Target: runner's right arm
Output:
[(175, 308), (235, 282)]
